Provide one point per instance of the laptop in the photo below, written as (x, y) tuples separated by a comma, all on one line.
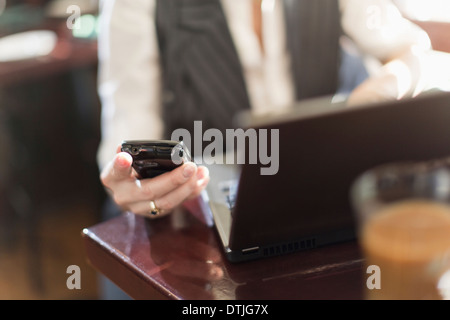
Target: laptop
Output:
[(323, 147)]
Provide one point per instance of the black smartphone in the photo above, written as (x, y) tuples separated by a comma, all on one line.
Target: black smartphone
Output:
[(154, 157)]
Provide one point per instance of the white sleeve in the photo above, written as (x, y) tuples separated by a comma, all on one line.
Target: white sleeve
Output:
[(129, 81), (379, 29)]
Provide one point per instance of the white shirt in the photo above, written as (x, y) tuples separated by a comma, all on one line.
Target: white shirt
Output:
[(130, 74)]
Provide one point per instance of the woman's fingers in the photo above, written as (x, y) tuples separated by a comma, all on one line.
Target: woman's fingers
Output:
[(119, 179), (118, 170), (144, 208), (202, 182), (156, 187), (176, 196), (167, 190)]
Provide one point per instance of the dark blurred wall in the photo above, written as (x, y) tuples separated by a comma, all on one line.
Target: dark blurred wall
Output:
[(49, 134)]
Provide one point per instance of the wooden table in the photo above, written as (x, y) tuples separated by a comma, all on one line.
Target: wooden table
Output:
[(180, 257)]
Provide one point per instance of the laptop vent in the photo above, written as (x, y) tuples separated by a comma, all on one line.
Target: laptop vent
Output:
[(289, 247)]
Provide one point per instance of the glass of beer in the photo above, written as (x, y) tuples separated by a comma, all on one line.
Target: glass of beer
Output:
[(403, 218)]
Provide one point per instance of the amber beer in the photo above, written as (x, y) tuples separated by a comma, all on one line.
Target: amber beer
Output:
[(410, 242)]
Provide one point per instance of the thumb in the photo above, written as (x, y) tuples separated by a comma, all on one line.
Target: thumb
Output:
[(121, 166)]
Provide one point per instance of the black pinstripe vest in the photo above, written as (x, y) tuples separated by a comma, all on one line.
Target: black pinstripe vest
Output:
[(202, 74)]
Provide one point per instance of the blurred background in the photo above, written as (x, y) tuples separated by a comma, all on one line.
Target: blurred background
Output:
[(49, 132)]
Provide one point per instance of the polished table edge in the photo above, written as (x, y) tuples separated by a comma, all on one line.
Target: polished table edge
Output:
[(136, 259), (101, 256)]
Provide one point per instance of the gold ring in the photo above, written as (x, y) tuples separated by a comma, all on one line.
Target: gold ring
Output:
[(153, 208)]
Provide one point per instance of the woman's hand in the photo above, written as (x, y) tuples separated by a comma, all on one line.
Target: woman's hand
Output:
[(166, 191)]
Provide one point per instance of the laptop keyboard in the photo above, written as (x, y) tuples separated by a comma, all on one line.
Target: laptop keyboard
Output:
[(229, 191)]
